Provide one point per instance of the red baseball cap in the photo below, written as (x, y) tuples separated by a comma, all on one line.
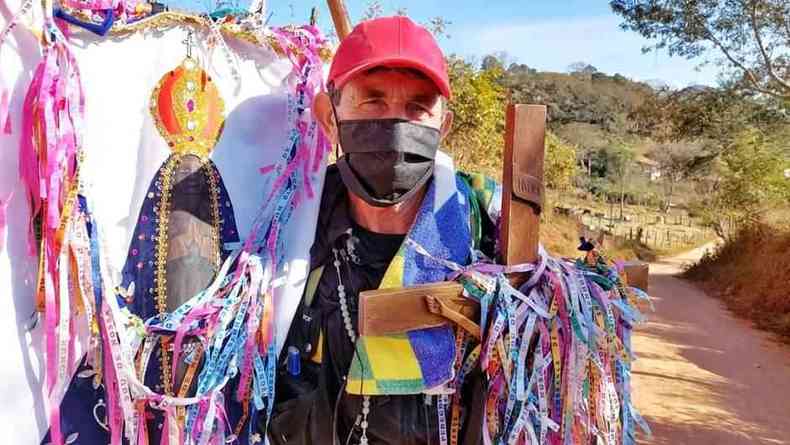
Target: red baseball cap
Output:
[(395, 42)]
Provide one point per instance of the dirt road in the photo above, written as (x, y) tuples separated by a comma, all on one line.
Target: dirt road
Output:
[(704, 377)]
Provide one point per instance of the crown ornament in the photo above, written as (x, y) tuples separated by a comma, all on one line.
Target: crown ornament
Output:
[(187, 109)]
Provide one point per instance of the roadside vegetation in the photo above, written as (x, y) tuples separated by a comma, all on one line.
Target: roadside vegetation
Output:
[(751, 273)]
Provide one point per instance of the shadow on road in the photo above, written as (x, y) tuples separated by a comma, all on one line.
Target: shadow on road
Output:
[(703, 377)]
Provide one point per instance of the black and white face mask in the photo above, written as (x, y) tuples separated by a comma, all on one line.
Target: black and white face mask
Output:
[(386, 161)]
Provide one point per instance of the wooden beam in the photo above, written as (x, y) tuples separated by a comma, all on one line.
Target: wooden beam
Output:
[(392, 311), (522, 183), (340, 18)]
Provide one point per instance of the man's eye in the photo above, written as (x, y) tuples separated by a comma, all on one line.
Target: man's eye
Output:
[(368, 102), (419, 108)]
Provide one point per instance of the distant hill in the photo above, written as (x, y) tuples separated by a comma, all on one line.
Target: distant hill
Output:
[(593, 98)]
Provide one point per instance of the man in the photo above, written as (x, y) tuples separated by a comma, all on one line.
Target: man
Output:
[(390, 191)]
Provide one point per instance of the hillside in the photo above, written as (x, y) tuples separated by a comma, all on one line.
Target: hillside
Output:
[(597, 99)]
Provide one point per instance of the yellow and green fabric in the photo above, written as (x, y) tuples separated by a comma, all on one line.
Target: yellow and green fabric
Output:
[(421, 360)]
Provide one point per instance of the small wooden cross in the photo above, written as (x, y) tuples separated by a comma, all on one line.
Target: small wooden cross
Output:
[(188, 42)]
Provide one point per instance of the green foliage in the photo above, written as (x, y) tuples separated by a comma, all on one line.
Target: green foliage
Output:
[(559, 164), (596, 99), (611, 123), (750, 36), (749, 182), (620, 160), (477, 136), (712, 116), (677, 162)]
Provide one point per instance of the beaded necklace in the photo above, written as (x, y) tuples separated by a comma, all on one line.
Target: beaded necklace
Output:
[(341, 292)]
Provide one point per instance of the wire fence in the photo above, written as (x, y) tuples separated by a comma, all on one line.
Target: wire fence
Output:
[(663, 232)]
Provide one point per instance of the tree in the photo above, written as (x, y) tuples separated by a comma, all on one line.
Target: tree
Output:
[(373, 10), (588, 139), (559, 166), (678, 161), (620, 165), (752, 37), (477, 137), (478, 105), (437, 25), (582, 68), (497, 60), (749, 182), (492, 62), (711, 116)]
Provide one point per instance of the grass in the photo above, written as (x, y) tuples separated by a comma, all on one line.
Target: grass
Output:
[(665, 233), (633, 250), (560, 236), (751, 274)]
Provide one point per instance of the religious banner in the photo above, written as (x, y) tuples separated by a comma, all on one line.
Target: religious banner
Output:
[(150, 166)]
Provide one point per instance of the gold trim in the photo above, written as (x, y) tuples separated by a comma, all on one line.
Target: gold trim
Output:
[(162, 231), (163, 215), (169, 19), (189, 141), (216, 222)]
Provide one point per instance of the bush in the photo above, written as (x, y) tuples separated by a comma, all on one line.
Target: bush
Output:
[(750, 182), (476, 139), (737, 272)]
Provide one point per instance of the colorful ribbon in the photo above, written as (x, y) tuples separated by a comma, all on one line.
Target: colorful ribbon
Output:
[(556, 352)]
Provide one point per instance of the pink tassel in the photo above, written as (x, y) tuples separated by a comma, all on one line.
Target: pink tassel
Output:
[(28, 156), (54, 106)]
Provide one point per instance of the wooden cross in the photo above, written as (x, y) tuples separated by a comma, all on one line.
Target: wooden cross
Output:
[(393, 311)]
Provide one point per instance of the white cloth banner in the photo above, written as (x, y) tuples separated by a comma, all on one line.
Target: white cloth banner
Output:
[(123, 151)]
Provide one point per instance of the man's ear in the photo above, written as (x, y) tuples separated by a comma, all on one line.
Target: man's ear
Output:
[(324, 114), (447, 124)]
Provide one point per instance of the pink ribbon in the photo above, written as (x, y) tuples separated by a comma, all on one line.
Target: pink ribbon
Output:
[(115, 419), (3, 218), (93, 5), (52, 120), (5, 99)]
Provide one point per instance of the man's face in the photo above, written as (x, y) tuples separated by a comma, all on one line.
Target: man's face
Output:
[(385, 94)]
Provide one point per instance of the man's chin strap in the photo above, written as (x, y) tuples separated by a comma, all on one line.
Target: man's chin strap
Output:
[(358, 188)]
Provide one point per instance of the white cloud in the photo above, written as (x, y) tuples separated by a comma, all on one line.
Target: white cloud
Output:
[(554, 44)]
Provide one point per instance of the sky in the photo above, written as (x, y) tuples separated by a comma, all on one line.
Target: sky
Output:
[(543, 34)]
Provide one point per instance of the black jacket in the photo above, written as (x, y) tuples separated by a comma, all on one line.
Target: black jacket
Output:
[(313, 406)]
